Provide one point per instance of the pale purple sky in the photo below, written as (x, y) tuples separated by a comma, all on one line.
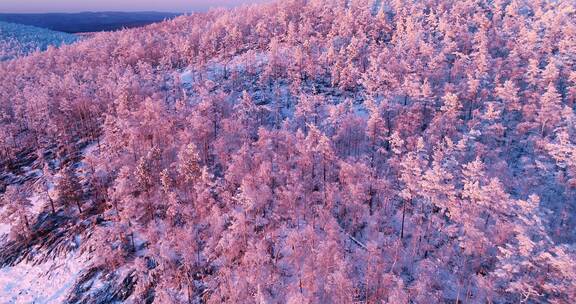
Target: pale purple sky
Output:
[(42, 6)]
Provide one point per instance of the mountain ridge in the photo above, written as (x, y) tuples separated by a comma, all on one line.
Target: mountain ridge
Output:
[(87, 21)]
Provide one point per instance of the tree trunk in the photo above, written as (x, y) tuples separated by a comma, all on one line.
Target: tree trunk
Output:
[(132, 241), (27, 223), (132, 236), (197, 249), (458, 294), (51, 202), (190, 286), (487, 220), (403, 217), (371, 201)]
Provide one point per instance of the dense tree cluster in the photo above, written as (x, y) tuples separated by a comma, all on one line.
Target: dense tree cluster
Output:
[(18, 40), (315, 151)]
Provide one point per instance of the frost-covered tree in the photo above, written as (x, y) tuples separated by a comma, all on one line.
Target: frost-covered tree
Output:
[(16, 210)]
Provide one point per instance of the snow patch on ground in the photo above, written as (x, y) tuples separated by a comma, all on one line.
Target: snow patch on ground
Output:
[(4, 229), (38, 202), (187, 77), (49, 282)]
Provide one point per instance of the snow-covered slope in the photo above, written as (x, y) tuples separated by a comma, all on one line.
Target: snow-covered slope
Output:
[(48, 282), (19, 40)]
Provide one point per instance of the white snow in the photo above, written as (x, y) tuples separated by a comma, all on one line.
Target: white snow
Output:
[(4, 229), (38, 203), (44, 283), (49, 282), (186, 77)]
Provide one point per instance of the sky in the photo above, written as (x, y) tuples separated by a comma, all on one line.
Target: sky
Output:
[(44, 6)]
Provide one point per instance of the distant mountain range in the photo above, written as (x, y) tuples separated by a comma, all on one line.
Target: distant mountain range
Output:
[(87, 21)]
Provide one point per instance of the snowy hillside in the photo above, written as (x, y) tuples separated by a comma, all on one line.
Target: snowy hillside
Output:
[(319, 151), (18, 40)]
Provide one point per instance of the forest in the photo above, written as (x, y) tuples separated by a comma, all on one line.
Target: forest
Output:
[(301, 151), (18, 40)]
